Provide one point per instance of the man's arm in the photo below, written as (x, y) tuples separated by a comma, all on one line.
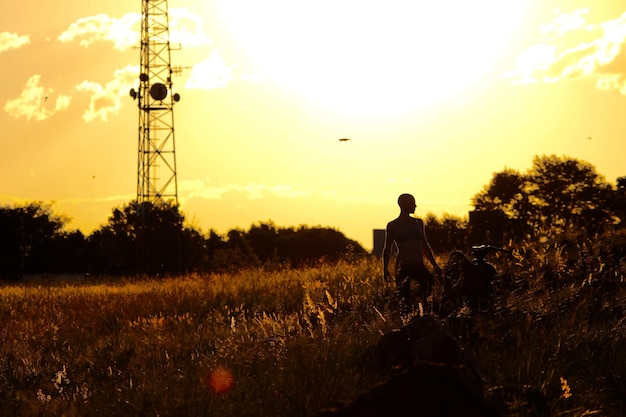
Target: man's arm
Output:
[(428, 251), (389, 235)]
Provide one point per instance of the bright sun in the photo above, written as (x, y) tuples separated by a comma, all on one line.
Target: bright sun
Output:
[(373, 56)]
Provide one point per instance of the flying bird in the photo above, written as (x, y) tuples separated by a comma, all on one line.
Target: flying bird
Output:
[(344, 139)]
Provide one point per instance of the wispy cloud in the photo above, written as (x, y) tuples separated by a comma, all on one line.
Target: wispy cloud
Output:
[(185, 30), (107, 99), (571, 47), (123, 32), (37, 102), (34, 103), (193, 191), (203, 189), (10, 41), (211, 73)]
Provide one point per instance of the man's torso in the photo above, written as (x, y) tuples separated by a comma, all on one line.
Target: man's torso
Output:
[(409, 238)]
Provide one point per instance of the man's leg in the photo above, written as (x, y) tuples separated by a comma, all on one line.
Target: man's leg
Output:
[(403, 283)]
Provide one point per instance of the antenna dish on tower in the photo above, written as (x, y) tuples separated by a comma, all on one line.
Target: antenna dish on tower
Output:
[(158, 91)]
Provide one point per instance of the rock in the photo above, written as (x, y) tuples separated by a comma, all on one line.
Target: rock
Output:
[(423, 339), (422, 390)]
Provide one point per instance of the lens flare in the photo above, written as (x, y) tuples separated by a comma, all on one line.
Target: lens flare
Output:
[(220, 380)]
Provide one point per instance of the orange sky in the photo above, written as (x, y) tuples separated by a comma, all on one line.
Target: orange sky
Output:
[(436, 98)]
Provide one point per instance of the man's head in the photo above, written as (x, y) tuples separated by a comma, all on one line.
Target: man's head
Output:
[(407, 203)]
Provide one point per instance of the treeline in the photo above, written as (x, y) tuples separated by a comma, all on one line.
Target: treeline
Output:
[(150, 238), (559, 199)]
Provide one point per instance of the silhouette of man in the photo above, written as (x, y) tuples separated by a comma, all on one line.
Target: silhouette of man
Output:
[(408, 235)]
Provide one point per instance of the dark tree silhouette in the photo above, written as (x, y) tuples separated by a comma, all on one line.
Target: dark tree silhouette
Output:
[(214, 244), (65, 252), (569, 194), (502, 192), (306, 244), (263, 238), (556, 195), (618, 204), (146, 238), (26, 238), (238, 253), (266, 244), (447, 234)]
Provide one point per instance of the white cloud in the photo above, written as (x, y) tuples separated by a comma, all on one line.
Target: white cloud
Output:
[(35, 103), (565, 23), (185, 29), (107, 99), (573, 48), (123, 32), (210, 73), (10, 40), (204, 190)]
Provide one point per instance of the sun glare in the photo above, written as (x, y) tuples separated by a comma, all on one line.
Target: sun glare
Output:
[(373, 56)]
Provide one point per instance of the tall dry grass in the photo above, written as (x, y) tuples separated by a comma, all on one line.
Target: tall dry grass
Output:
[(287, 342)]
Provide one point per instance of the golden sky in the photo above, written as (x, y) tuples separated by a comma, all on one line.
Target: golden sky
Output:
[(436, 97)]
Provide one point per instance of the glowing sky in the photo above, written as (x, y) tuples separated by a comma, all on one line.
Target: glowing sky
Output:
[(436, 97)]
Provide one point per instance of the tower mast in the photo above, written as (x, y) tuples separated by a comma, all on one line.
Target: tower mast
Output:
[(156, 159)]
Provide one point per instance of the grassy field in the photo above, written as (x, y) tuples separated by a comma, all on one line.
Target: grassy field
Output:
[(287, 342)]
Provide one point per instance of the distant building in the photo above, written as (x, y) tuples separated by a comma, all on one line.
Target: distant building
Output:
[(379, 242)]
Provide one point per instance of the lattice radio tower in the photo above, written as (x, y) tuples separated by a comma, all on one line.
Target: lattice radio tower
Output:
[(156, 159)]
